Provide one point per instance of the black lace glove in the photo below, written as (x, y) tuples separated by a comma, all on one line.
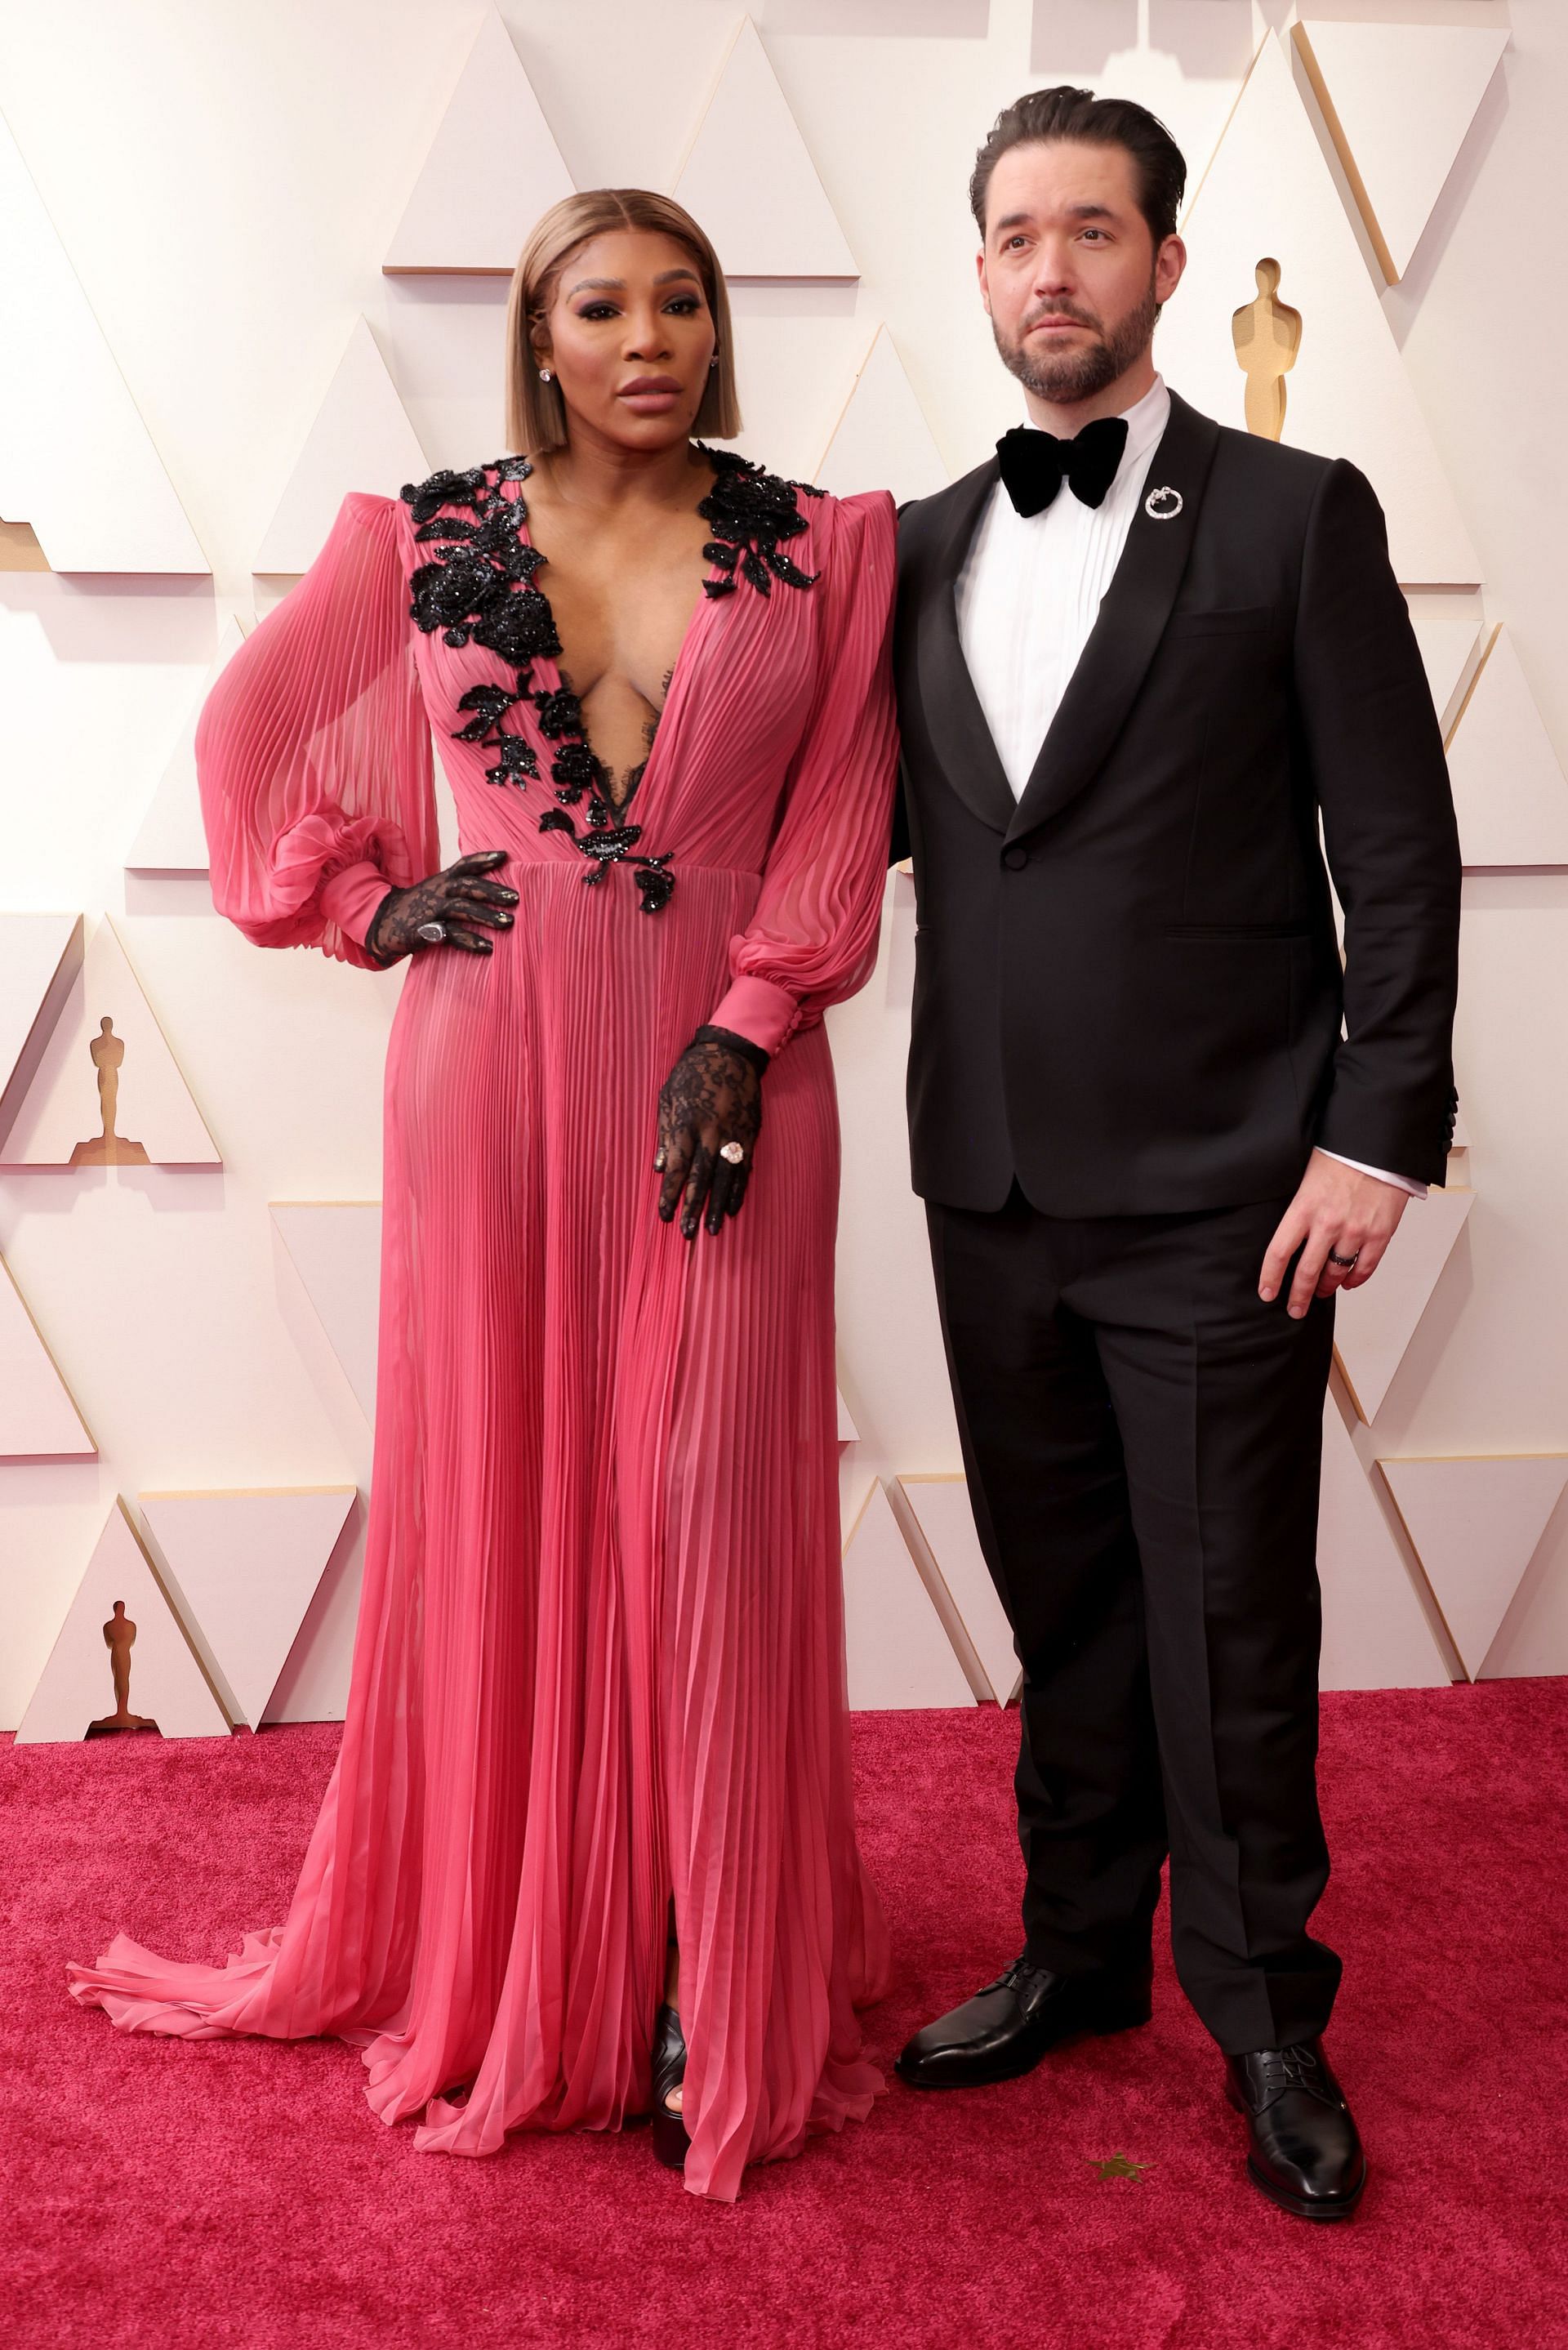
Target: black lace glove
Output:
[(458, 897), (713, 1096)]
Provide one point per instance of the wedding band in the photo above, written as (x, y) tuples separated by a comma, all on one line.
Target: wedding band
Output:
[(732, 1151), (1345, 1263), (434, 931)]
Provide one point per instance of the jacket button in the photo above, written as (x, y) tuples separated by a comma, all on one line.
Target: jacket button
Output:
[(1016, 857)]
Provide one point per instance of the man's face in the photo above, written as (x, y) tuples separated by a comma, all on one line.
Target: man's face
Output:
[(1069, 275)]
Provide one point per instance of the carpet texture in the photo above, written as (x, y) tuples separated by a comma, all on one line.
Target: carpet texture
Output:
[(161, 2195)]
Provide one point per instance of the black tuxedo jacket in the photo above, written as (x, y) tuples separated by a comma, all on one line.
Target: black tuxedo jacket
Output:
[(1128, 990)]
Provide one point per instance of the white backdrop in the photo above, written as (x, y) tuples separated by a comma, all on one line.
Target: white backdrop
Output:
[(227, 182)]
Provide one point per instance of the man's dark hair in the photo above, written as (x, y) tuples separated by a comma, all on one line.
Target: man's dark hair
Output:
[(1078, 114)]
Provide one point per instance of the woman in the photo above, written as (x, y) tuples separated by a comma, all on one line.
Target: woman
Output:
[(597, 1688)]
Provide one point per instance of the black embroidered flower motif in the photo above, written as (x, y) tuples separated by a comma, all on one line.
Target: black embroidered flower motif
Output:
[(446, 489), (558, 714), (573, 768), (456, 595), (654, 882), (514, 761), (749, 511), (489, 700), (515, 754), (479, 590)]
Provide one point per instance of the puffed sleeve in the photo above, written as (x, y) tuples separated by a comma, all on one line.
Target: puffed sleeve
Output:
[(313, 750), (811, 940)]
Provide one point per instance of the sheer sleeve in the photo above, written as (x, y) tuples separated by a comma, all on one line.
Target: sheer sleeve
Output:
[(313, 751), (811, 940)]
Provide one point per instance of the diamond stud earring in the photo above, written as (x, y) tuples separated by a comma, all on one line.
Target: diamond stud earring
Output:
[(546, 376)]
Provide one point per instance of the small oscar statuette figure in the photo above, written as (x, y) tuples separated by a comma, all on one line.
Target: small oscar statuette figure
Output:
[(108, 1149), (118, 1634), (1267, 333)]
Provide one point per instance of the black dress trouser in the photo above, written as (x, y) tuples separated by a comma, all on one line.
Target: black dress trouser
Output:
[(1142, 1437)]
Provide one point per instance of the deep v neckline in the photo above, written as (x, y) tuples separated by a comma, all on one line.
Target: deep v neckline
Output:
[(619, 809), (478, 589)]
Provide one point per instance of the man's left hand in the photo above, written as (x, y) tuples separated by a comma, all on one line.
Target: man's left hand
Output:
[(1337, 1209)]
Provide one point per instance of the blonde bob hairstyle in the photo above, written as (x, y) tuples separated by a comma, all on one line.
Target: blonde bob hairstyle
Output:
[(535, 411)]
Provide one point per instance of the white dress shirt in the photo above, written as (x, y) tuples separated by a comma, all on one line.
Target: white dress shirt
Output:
[(1028, 596)]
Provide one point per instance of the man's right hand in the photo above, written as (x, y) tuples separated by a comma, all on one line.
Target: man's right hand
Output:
[(1341, 1220), (457, 897)]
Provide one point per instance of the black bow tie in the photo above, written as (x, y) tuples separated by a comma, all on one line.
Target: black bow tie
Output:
[(1036, 464)]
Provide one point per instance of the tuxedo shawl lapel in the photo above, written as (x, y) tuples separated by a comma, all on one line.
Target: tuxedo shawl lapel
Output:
[(954, 720), (1131, 619)]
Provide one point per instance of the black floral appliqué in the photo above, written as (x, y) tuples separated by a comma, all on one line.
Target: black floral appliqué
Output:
[(559, 714), (749, 511), (479, 590), (573, 769)]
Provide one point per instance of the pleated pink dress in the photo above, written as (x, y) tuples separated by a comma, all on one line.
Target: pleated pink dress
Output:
[(599, 1655)]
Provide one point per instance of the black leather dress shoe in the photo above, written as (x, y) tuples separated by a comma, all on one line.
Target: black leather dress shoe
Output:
[(1305, 2152), (1005, 2029)]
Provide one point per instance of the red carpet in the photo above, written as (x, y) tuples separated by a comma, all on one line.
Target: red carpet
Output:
[(177, 2196)]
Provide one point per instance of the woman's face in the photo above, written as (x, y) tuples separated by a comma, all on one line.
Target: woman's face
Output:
[(629, 336)]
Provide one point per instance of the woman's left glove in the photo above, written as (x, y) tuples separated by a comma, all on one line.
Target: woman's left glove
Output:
[(710, 1116)]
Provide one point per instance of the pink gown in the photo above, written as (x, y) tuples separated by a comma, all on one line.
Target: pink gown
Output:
[(599, 1654)]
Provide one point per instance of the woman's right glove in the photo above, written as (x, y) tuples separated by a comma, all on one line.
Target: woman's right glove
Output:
[(454, 899)]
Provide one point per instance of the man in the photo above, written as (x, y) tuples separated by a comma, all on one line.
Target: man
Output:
[(1156, 1128)]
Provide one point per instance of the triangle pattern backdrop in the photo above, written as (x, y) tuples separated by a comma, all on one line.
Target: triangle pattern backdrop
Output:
[(790, 412), (1447, 641), (1374, 1325), (748, 178), (1475, 1525), (1268, 193), (38, 953), (172, 838), (361, 440), (476, 198), (61, 1117), (899, 1655), (1509, 790), (167, 1683), (1397, 101), (334, 1246), (245, 1567), (881, 440), (38, 1420), (1375, 1634), (940, 1509), (67, 395)]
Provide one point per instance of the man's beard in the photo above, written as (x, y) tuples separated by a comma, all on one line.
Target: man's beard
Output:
[(1070, 377)]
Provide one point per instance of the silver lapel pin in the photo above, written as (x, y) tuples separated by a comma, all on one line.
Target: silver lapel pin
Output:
[(1163, 504)]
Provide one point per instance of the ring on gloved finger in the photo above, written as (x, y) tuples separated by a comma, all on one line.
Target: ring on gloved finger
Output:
[(433, 931), (734, 1151)]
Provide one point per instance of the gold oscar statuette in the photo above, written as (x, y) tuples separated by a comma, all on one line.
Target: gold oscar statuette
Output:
[(118, 1635), (108, 1149), (1267, 333)]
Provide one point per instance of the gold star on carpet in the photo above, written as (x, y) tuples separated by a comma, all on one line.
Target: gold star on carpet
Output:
[(1117, 2166)]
